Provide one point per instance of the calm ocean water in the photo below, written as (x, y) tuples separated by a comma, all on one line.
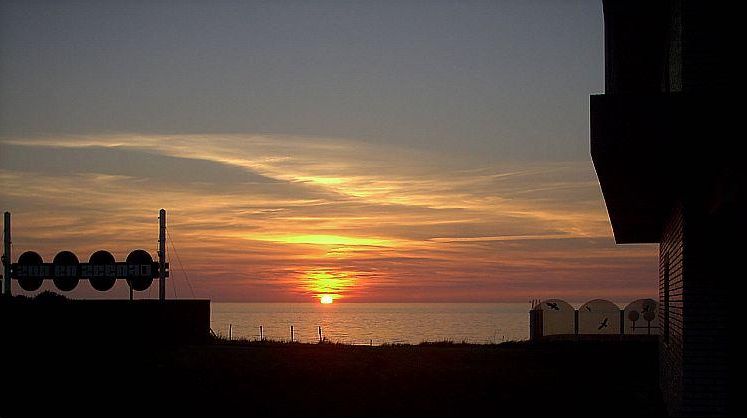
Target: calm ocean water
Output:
[(363, 323)]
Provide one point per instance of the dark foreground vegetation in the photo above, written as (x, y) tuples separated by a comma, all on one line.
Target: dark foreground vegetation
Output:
[(62, 378)]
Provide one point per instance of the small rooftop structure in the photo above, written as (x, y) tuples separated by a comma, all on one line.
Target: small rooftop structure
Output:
[(556, 319)]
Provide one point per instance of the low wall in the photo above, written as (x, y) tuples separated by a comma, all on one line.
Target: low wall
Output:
[(120, 321), (597, 338)]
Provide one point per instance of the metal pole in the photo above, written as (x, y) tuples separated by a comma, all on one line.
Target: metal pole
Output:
[(162, 255), (6, 255)]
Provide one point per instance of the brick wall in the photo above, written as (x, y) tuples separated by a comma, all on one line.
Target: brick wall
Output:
[(671, 299), (700, 289), (713, 290), (704, 46)]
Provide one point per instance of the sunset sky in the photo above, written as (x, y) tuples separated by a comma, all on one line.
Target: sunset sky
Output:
[(373, 151)]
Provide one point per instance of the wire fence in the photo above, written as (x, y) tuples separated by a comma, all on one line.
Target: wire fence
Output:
[(237, 334)]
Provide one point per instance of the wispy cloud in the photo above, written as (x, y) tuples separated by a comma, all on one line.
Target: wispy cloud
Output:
[(257, 217)]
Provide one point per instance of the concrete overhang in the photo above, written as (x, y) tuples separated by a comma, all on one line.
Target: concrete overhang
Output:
[(633, 151)]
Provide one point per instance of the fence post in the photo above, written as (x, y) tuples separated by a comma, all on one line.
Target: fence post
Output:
[(320, 334), (291, 333), (230, 331), (622, 322), (261, 333), (536, 324)]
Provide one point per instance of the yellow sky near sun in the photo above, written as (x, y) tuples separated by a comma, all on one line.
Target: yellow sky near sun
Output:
[(278, 218)]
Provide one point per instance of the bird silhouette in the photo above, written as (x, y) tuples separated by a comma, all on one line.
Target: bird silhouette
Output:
[(553, 306), (603, 324)]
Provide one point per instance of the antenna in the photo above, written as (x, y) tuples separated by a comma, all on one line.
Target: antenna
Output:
[(6, 255), (162, 255)]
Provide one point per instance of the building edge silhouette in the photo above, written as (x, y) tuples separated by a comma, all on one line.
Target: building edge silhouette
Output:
[(663, 146)]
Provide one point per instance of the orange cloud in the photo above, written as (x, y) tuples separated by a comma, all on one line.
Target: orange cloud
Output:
[(268, 218)]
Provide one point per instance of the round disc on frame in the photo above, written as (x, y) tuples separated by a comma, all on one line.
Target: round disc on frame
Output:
[(66, 274), (30, 282), (139, 274), (102, 282)]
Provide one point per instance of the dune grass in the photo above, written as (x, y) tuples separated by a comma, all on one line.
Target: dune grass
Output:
[(276, 378)]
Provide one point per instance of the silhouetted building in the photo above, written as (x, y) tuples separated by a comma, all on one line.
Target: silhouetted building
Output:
[(666, 152)]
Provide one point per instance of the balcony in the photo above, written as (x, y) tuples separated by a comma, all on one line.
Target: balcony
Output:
[(634, 153)]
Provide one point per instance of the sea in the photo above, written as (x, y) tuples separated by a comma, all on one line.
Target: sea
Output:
[(373, 323)]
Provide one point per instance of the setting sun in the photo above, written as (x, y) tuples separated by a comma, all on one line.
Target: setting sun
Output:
[(328, 285)]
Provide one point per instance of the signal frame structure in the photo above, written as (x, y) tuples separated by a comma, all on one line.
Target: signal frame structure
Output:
[(102, 270)]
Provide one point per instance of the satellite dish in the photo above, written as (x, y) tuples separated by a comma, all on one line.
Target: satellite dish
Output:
[(139, 270), (102, 277), (30, 276), (66, 273)]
